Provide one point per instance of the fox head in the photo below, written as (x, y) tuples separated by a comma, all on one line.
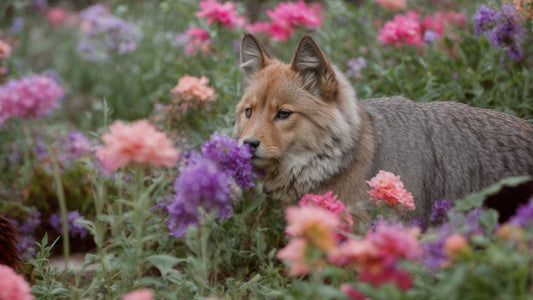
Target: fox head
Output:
[(297, 118)]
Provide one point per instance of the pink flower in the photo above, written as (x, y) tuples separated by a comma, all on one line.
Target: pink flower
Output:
[(144, 294), (28, 97), (389, 188), (13, 286), (5, 50), (454, 245), (351, 292), (331, 203), (294, 252), (190, 87), (403, 29), (198, 40), (225, 13), (315, 224), (396, 241), (392, 4), (138, 142), (56, 15), (287, 17)]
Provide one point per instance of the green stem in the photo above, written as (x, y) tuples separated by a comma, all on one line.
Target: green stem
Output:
[(140, 207), (62, 208)]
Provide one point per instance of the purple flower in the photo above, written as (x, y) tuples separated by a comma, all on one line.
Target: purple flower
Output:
[(502, 28), (27, 225), (75, 145), (486, 18), (355, 66), (524, 216), (29, 97), (105, 33), (17, 25), (74, 227), (200, 184), (430, 36), (232, 158), (440, 208)]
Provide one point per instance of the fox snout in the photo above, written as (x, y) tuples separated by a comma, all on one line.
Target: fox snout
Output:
[(252, 142)]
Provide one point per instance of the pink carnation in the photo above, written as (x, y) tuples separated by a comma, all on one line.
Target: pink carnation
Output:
[(5, 50), (13, 286), (403, 29), (331, 203), (56, 15), (389, 188), (315, 224), (287, 17), (225, 13), (396, 241), (294, 253), (144, 294), (29, 97), (392, 4), (138, 142), (190, 87), (198, 40)]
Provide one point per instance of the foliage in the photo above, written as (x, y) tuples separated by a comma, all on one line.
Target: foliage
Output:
[(45, 170)]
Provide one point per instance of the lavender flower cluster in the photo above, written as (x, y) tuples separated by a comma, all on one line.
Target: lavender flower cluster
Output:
[(75, 229), (103, 33), (29, 97), (502, 27), (27, 227), (206, 182)]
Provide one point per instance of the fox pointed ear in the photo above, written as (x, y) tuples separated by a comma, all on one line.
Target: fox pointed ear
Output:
[(317, 73), (253, 56)]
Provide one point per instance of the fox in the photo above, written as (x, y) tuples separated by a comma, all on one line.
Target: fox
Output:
[(309, 133)]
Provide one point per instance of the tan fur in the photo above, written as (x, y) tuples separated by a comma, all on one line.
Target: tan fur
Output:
[(332, 141)]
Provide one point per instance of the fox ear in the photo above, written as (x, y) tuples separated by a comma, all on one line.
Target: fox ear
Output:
[(317, 73), (253, 56)]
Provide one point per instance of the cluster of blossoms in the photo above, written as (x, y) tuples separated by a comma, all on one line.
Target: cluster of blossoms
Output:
[(206, 180), (103, 33), (27, 226), (139, 142), (389, 188), (67, 149), (287, 17), (75, 228), (216, 12), (192, 93), (197, 39), (410, 29), (314, 228), (29, 97), (503, 28), (13, 285)]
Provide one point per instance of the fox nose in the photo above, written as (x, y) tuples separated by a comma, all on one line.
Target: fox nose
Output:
[(253, 142)]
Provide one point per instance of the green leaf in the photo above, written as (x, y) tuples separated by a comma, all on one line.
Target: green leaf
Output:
[(476, 199), (164, 263)]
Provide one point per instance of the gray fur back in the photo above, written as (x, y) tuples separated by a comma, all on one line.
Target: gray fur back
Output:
[(447, 149)]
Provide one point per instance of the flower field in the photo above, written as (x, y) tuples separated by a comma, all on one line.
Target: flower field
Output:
[(116, 120)]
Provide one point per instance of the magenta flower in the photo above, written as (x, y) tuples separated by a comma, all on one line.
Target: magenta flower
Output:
[(403, 29), (287, 17), (224, 14), (198, 40), (29, 97)]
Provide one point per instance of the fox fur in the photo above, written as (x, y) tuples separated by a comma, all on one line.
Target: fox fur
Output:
[(310, 134)]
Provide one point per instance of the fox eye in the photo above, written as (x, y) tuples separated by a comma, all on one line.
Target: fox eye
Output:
[(248, 112), (283, 114)]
